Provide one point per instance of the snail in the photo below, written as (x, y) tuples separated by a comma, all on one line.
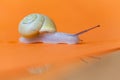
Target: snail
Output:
[(40, 28)]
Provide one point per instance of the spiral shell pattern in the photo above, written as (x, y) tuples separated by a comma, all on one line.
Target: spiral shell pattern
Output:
[(33, 24)]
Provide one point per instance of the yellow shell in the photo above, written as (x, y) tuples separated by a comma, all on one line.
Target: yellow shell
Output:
[(31, 25)]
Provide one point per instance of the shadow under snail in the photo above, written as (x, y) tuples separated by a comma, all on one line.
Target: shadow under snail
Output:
[(40, 28)]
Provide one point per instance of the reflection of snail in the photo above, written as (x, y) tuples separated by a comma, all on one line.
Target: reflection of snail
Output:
[(40, 28)]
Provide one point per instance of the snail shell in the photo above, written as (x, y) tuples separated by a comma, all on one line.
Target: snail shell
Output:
[(33, 24)]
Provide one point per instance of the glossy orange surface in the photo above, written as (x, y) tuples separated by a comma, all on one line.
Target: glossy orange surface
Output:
[(71, 17)]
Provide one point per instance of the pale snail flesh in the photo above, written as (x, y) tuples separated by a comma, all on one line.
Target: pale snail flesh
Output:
[(40, 28)]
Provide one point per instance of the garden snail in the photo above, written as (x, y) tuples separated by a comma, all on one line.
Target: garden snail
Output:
[(40, 28)]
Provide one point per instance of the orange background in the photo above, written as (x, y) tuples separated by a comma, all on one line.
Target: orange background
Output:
[(71, 17)]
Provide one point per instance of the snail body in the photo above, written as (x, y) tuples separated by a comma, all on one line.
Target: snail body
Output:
[(47, 33), (54, 38)]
